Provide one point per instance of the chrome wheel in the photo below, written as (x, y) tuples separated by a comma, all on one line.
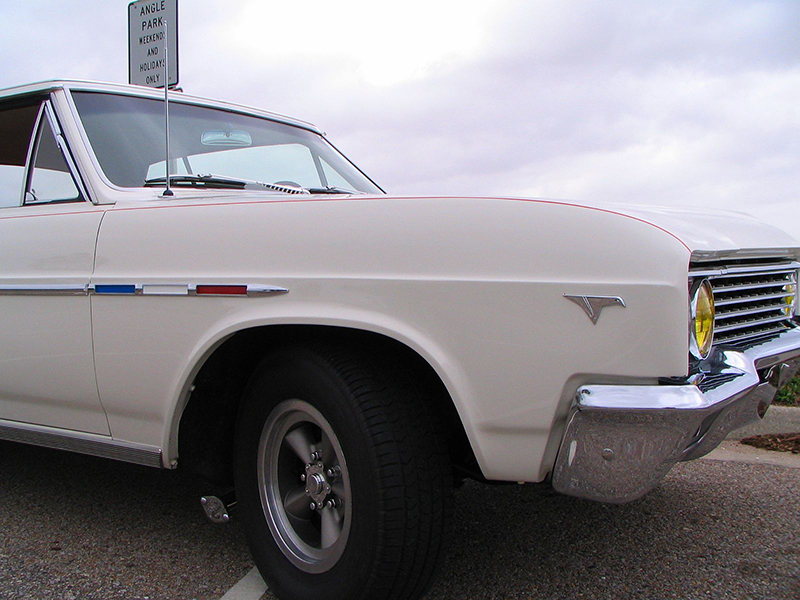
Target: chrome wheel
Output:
[(304, 486)]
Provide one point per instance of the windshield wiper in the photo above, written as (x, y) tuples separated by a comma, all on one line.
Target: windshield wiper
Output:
[(197, 181), (224, 182), (332, 189), (221, 182)]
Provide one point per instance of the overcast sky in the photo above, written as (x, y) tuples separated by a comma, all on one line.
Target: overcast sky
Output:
[(657, 102)]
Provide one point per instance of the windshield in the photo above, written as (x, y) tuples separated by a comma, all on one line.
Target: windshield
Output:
[(127, 136)]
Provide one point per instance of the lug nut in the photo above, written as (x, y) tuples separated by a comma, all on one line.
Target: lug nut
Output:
[(313, 506), (333, 472), (302, 476)]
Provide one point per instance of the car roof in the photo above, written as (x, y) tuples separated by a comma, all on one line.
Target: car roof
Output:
[(145, 92)]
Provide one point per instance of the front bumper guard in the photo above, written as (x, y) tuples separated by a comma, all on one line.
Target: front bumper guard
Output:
[(621, 440)]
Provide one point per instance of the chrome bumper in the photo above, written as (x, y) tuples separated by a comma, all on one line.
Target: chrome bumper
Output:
[(621, 440)]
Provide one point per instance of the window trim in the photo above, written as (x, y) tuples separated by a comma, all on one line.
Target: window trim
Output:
[(33, 145), (46, 111), (174, 98), (61, 140)]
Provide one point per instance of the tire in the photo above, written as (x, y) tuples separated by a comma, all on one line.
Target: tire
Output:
[(380, 469)]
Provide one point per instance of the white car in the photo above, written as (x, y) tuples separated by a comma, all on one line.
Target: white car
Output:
[(339, 356)]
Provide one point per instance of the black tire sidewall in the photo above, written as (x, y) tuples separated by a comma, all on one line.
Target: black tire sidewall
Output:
[(301, 375)]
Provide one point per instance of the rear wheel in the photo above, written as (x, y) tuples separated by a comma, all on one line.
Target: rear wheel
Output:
[(342, 477)]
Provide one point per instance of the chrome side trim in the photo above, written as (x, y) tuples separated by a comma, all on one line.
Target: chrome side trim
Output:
[(184, 289), (82, 443), (265, 290), (136, 289), (44, 290)]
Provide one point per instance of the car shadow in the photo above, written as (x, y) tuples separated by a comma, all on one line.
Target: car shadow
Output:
[(74, 526), (709, 530)]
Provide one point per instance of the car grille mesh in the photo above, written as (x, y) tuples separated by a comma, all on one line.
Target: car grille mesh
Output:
[(752, 299)]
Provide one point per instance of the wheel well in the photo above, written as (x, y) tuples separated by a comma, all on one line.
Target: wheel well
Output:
[(207, 425)]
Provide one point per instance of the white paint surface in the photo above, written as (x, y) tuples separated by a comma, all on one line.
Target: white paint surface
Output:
[(250, 587)]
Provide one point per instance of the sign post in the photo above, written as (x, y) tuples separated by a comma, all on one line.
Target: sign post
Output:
[(146, 42)]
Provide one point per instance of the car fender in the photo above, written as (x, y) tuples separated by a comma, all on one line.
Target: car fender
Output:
[(491, 319)]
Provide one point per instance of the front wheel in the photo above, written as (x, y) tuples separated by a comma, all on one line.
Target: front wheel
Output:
[(342, 477)]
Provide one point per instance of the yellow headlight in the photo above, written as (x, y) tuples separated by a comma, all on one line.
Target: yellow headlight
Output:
[(702, 325), (790, 300)]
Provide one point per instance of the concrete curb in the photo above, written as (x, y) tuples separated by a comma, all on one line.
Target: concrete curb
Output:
[(733, 450), (779, 419)]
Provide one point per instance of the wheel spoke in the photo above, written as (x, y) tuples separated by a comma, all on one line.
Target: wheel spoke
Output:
[(331, 526), (301, 464), (301, 442), (297, 504), (328, 453), (337, 487)]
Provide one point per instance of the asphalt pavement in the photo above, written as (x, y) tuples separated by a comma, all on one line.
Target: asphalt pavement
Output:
[(78, 527)]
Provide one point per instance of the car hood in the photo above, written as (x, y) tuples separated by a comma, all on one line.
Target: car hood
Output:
[(709, 230), (699, 229)]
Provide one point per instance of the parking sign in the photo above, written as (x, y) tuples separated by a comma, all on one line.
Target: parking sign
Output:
[(146, 20)]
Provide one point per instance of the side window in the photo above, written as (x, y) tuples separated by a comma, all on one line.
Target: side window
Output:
[(16, 129), (50, 178)]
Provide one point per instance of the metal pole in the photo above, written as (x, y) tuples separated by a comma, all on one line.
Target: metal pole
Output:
[(167, 191)]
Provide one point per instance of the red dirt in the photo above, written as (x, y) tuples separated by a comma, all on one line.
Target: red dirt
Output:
[(781, 442)]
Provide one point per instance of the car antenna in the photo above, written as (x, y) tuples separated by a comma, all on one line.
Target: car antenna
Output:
[(167, 190)]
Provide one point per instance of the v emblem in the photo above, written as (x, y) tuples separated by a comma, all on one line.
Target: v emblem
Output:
[(593, 305)]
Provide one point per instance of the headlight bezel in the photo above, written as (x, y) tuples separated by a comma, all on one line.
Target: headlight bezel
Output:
[(701, 305)]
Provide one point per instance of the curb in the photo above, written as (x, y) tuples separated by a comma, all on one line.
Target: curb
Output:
[(779, 419), (731, 450)]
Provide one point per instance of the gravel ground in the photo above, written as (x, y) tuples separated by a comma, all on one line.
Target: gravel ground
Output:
[(718, 530), (79, 527)]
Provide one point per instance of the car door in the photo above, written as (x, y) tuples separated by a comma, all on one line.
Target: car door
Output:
[(48, 231)]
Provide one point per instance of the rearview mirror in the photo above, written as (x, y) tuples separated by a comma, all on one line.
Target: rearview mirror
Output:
[(235, 137)]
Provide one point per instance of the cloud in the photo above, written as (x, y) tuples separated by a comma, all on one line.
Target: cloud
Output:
[(679, 102), (678, 105), (46, 39)]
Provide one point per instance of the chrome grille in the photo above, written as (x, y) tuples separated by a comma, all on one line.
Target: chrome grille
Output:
[(713, 381), (752, 298)]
